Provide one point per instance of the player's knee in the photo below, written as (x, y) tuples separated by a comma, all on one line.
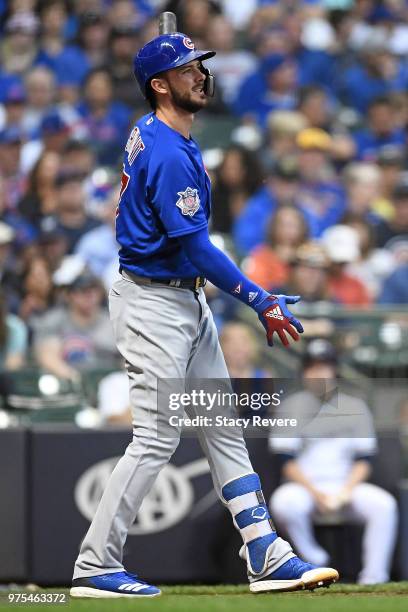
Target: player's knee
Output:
[(285, 503), (383, 504), (387, 504)]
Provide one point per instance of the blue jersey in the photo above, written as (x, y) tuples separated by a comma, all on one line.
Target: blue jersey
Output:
[(165, 193)]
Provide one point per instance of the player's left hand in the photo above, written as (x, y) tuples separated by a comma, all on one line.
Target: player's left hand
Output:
[(276, 317)]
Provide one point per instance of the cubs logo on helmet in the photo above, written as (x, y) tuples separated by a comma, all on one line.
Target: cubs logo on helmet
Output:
[(188, 43), (164, 53)]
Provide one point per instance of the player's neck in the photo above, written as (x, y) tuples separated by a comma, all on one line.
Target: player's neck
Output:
[(180, 121)]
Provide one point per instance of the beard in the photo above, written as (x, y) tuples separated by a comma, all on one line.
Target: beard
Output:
[(185, 102)]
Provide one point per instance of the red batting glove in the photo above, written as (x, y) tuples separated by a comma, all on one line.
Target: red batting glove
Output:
[(276, 317)]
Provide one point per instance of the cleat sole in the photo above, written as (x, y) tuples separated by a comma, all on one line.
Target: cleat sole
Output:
[(311, 580), (102, 594)]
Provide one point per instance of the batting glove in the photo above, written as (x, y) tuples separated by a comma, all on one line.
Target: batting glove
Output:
[(276, 317)]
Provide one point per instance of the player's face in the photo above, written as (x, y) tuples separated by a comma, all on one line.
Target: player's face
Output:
[(320, 379), (186, 85)]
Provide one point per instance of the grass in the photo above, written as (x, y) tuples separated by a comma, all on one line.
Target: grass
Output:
[(391, 597)]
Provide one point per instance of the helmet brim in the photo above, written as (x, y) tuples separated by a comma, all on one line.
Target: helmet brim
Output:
[(193, 55)]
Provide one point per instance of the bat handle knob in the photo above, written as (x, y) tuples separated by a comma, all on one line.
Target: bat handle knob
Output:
[(167, 23)]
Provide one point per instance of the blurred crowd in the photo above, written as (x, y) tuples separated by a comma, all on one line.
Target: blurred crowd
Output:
[(310, 193)]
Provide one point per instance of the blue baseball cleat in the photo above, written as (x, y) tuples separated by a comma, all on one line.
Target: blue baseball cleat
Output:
[(295, 575), (118, 584)]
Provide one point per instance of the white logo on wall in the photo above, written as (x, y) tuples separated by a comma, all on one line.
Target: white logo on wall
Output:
[(169, 501)]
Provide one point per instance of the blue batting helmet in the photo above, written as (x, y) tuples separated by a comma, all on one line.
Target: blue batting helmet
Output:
[(164, 53)]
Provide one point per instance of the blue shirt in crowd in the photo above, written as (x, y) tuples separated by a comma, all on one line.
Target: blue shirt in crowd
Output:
[(369, 145), (107, 133), (322, 204)]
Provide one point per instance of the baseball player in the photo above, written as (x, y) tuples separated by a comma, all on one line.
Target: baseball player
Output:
[(326, 473), (164, 330)]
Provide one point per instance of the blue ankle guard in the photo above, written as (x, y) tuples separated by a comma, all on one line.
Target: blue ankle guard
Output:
[(251, 517)]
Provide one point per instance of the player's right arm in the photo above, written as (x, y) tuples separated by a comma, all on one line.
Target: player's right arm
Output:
[(272, 310)]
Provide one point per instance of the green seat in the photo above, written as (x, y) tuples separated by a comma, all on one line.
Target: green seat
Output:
[(213, 132), (90, 382), (37, 396)]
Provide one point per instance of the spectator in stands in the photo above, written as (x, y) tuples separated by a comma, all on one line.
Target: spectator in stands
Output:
[(314, 105), (8, 278), (269, 263), (78, 335), (52, 134), (320, 194), (282, 130), (230, 66), (320, 200), (40, 199), (79, 157), (241, 351), (14, 100), (280, 73), (391, 163), (127, 13), (13, 339), (107, 121), (395, 287), (312, 42), (318, 109), (53, 246), (98, 247), (362, 182), (41, 92), (342, 246), (123, 46), (195, 16), (37, 290), (373, 265), (93, 37), (282, 185), (236, 179), (53, 15), (375, 73), (55, 131), (18, 49), (70, 217), (67, 61), (381, 131), (14, 184), (325, 473), (398, 224), (309, 274)]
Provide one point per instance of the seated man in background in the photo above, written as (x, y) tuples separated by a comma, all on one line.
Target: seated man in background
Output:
[(326, 473)]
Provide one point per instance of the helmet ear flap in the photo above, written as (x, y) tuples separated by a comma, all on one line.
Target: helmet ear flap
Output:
[(209, 83)]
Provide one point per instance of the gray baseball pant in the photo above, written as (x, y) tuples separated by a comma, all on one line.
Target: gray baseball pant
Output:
[(162, 332)]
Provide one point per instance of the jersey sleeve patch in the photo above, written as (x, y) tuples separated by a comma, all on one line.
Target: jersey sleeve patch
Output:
[(189, 201), (134, 145)]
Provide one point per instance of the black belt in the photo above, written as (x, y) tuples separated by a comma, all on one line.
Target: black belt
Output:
[(181, 283)]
